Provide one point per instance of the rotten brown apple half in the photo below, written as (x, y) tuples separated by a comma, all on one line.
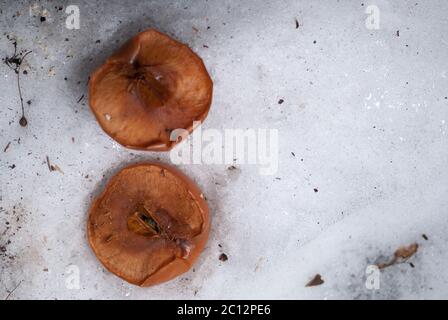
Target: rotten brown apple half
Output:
[(151, 86), (149, 225)]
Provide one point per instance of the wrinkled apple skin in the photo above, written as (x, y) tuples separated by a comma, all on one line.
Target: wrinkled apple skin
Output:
[(177, 205), (149, 87)]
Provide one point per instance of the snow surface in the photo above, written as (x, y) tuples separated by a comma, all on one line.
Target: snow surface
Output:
[(365, 109)]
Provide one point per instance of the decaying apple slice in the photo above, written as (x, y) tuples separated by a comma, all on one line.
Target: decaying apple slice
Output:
[(149, 225), (151, 86)]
